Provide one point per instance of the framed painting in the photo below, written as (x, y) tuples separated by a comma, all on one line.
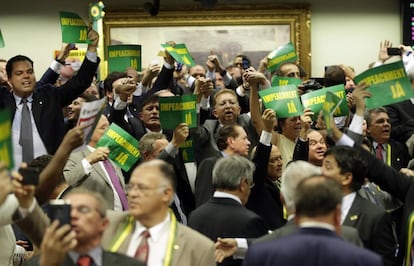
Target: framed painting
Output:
[(225, 30)]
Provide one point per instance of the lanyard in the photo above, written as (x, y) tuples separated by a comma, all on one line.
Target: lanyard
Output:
[(410, 225), (128, 228)]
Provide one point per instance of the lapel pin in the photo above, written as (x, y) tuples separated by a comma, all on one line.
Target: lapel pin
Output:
[(353, 217)]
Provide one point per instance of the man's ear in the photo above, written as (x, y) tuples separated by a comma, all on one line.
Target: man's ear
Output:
[(140, 115), (215, 113), (347, 179)]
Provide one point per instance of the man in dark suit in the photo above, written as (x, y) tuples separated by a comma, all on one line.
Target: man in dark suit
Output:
[(44, 103), (373, 223), (390, 151), (401, 119), (231, 140), (227, 111), (401, 186), (294, 173), (224, 214), (71, 244), (318, 211)]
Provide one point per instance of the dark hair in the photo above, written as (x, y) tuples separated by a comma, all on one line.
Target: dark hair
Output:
[(17, 58), (111, 78), (40, 162), (350, 160), (334, 75), (317, 196), (148, 100), (225, 132), (244, 57)]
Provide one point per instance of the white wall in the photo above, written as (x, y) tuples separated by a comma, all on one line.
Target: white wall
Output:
[(347, 32)]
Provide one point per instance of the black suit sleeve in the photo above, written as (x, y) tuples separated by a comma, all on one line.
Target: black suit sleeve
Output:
[(301, 151)]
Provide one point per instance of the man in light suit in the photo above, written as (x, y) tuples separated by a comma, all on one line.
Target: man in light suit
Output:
[(86, 168), (69, 244), (318, 213), (150, 193)]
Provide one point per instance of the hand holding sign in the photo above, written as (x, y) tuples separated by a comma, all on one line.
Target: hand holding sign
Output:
[(99, 154)]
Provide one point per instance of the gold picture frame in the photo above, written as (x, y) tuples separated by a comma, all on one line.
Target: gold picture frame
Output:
[(241, 28)]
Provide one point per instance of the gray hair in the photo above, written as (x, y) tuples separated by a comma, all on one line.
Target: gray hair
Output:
[(229, 171), (101, 206), (294, 173), (147, 140)]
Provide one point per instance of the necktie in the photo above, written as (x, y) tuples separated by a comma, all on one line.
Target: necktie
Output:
[(26, 134), (84, 260), (143, 247), (116, 183), (378, 152), (370, 195)]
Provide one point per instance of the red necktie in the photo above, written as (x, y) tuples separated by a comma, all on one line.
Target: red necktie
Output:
[(84, 260), (143, 247), (116, 183), (378, 152)]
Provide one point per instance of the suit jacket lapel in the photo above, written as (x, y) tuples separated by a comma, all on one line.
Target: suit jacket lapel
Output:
[(179, 247), (36, 109), (354, 212)]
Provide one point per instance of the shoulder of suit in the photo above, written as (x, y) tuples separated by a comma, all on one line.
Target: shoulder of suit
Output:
[(124, 259), (116, 217), (193, 238)]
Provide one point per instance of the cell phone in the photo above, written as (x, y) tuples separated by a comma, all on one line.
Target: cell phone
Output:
[(179, 67), (30, 175), (245, 63), (394, 51), (59, 209)]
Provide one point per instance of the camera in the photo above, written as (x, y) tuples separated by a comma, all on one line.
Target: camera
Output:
[(310, 85), (59, 209), (245, 63), (394, 51)]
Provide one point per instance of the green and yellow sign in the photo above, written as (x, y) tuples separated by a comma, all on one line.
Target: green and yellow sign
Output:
[(180, 54), (388, 84), (284, 100), (329, 108), (1, 40), (121, 57), (315, 99), (187, 150), (74, 29), (178, 109), (6, 148), (285, 53), (283, 81), (122, 146)]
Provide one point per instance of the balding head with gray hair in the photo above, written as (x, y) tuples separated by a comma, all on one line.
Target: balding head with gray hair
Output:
[(294, 173), (229, 171)]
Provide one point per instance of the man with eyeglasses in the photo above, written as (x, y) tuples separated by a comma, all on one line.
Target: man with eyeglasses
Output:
[(77, 243), (224, 214), (149, 231)]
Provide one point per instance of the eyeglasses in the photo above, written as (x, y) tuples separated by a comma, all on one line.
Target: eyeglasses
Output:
[(141, 187)]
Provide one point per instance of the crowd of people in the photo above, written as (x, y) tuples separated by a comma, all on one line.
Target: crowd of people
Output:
[(261, 190)]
